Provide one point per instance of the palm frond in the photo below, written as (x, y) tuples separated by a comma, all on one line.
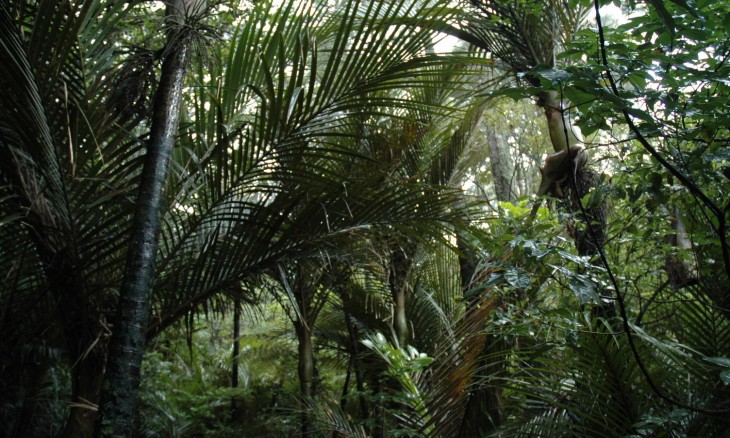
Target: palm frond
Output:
[(272, 176), (521, 35)]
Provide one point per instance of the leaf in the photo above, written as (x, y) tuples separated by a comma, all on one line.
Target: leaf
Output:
[(578, 96), (539, 254), (722, 361), (665, 15), (518, 278), (583, 288), (514, 93), (494, 279), (580, 260), (553, 75), (683, 4)]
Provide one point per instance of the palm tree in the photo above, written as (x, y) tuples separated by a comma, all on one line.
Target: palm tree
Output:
[(262, 173), (127, 344), (67, 179), (404, 285)]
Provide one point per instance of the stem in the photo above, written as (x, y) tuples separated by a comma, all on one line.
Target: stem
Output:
[(305, 370), (126, 349), (236, 352)]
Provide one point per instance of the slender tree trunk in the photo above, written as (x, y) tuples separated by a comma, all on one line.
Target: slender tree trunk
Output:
[(346, 385), (121, 383), (86, 379), (352, 363), (500, 166), (354, 354), (680, 272), (305, 369), (401, 255), (400, 321), (236, 352)]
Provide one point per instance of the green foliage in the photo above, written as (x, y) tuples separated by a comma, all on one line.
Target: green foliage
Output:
[(323, 139), (403, 364), (186, 389)]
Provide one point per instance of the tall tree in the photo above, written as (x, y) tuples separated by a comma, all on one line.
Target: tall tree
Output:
[(127, 345)]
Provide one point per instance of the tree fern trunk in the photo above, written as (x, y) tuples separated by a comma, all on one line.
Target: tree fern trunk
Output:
[(121, 382), (590, 234)]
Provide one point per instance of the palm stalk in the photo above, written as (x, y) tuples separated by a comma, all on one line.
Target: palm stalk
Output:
[(126, 349), (235, 354)]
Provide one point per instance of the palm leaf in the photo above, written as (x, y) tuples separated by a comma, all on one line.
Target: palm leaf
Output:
[(274, 178)]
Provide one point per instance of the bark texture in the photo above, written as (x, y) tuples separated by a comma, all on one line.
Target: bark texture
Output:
[(589, 236), (589, 233), (121, 382), (234, 356), (501, 166), (681, 272), (305, 370)]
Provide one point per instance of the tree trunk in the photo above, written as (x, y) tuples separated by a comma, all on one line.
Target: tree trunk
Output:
[(680, 272), (305, 370), (401, 257), (83, 335), (483, 411), (121, 383), (236, 352), (354, 338), (501, 172), (400, 321), (590, 234), (86, 379), (480, 400), (562, 132)]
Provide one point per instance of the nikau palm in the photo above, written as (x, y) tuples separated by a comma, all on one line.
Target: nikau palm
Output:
[(129, 334), (65, 177), (261, 173)]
